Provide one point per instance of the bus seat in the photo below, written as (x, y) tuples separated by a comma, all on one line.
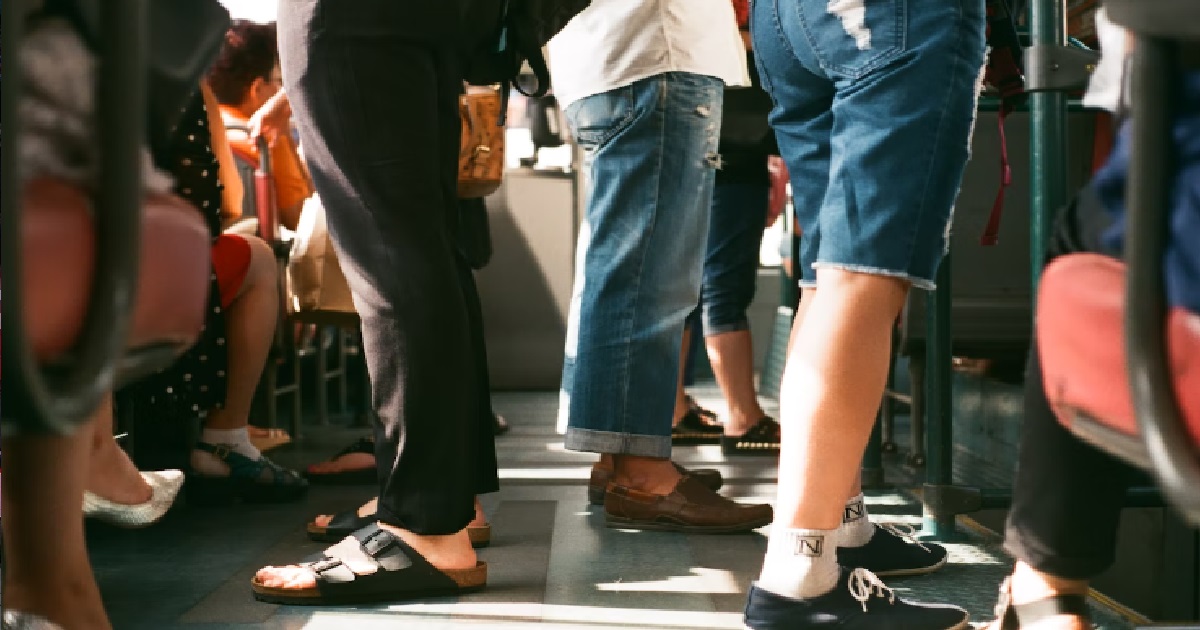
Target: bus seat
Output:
[(58, 265), (1081, 314)]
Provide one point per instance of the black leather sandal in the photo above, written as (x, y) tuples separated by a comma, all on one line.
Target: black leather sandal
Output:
[(373, 566), (251, 480), (1016, 616)]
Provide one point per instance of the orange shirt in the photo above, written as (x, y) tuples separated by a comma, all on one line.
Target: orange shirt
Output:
[(292, 185)]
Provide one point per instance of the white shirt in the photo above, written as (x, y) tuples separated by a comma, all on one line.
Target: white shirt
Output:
[(614, 43)]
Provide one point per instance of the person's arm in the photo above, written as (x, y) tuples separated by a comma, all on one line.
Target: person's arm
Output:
[(272, 119)]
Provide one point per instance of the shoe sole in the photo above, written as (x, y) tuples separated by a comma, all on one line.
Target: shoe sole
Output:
[(912, 572), (965, 625), (616, 522)]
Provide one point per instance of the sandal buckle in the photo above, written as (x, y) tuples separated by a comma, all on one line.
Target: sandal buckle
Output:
[(221, 451), (378, 542)]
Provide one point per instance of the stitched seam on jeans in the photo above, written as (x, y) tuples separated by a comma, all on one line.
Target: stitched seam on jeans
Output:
[(659, 116), (932, 155)]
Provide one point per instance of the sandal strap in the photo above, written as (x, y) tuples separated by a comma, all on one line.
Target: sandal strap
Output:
[(1033, 612), (349, 521), (372, 553), (1015, 616), (765, 430), (364, 445), (243, 467)]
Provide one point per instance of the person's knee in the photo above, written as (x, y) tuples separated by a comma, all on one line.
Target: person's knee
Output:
[(854, 290), (264, 269)]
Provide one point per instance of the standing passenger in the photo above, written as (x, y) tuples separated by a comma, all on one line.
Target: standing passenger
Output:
[(874, 104), (641, 85), (374, 89)]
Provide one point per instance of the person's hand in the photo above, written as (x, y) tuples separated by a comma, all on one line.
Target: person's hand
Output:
[(272, 119), (777, 199)]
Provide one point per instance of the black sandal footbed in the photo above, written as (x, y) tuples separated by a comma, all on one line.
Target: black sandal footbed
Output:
[(345, 523), (389, 571), (1016, 616)]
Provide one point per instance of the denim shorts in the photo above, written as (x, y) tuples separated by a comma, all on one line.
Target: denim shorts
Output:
[(874, 107)]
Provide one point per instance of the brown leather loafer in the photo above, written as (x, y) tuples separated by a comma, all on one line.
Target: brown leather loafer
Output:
[(691, 508), (598, 484)]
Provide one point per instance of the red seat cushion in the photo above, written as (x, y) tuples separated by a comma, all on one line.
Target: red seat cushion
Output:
[(1080, 335), (58, 265)]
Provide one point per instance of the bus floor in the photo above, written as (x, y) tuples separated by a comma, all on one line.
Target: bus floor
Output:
[(552, 562)]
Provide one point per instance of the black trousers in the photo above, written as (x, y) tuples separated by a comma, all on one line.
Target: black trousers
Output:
[(1068, 495), (376, 102)]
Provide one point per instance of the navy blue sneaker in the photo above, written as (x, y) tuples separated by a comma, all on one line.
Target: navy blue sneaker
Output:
[(860, 601), (893, 552)]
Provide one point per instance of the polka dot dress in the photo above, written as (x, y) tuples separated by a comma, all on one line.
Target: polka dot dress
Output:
[(195, 384)]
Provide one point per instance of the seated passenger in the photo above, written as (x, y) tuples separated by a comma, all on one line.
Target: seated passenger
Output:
[(1068, 495), (246, 81), (217, 378)]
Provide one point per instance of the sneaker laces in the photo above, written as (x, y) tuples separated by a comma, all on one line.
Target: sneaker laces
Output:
[(908, 534), (863, 585)]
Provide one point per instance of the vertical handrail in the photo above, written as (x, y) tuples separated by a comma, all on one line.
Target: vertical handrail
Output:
[(939, 403), (1148, 202), (61, 397), (1048, 138)]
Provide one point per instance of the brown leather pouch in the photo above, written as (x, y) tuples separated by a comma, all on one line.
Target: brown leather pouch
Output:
[(481, 152)]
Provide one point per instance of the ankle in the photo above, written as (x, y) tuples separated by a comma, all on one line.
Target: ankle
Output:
[(740, 420), (69, 602), (648, 474), (1029, 585), (450, 551)]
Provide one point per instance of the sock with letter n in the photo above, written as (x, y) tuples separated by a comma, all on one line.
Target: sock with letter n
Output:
[(857, 528), (800, 563)]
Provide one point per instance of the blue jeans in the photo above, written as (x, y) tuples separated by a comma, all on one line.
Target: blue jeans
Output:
[(873, 113), (651, 155), (737, 221)]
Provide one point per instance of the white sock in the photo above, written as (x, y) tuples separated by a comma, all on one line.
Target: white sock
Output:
[(236, 440), (857, 528), (800, 563)]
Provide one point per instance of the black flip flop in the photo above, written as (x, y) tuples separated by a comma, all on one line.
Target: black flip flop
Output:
[(351, 477), (762, 439), (373, 566), (340, 526)]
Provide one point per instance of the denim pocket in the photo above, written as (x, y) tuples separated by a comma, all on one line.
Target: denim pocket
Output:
[(599, 118), (852, 37)]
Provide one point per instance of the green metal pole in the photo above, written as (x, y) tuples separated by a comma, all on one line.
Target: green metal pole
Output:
[(939, 396), (1048, 138)]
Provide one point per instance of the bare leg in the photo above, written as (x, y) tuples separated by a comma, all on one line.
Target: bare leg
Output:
[(110, 472), (832, 385), (250, 322), (732, 358), (48, 572), (682, 406)]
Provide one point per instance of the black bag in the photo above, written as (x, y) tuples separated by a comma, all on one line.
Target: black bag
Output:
[(744, 127), (504, 34)]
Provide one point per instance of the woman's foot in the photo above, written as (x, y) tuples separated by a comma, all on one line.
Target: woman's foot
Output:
[(354, 464), (113, 476), (221, 475), (479, 530)]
